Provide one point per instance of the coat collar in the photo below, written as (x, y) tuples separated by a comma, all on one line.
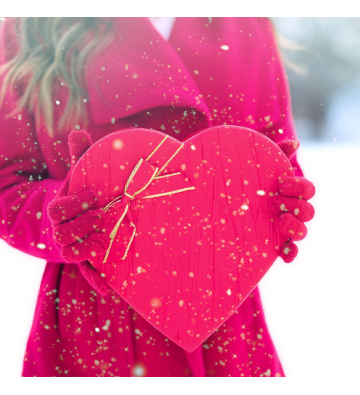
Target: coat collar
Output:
[(140, 70)]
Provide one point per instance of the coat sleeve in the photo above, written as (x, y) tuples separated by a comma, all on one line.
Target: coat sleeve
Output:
[(25, 189), (283, 128)]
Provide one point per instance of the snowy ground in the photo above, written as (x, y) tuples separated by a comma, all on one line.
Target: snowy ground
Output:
[(311, 305)]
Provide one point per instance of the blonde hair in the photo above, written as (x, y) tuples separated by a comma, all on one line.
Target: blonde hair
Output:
[(285, 43), (50, 49)]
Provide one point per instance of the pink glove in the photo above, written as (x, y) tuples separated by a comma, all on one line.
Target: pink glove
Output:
[(292, 206), (78, 221)]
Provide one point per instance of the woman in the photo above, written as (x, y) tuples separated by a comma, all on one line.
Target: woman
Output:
[(102, 75)]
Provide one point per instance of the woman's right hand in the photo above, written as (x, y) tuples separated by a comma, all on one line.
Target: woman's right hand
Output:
[(78, 221), (79, 226)]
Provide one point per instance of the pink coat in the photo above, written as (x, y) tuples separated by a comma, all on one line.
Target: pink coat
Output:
[(223, 71)]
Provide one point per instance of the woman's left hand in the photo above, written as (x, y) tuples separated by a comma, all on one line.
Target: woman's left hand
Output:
[(292, 206)]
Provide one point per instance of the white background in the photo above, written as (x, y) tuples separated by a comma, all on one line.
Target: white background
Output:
[(311, 305)]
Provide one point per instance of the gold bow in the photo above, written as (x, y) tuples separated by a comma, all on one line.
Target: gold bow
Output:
[(145, 182)]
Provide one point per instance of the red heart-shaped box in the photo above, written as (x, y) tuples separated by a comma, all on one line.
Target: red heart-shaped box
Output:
[(199, 235)]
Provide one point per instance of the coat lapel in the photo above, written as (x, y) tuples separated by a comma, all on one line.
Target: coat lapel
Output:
[(139, 70)]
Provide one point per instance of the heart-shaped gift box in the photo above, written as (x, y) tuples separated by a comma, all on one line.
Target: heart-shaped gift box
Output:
[(191, 224)]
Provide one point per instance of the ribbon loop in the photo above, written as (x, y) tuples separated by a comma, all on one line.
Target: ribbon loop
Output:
[(144, 182)]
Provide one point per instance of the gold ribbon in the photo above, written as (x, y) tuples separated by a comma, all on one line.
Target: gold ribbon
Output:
[(126, 197)]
